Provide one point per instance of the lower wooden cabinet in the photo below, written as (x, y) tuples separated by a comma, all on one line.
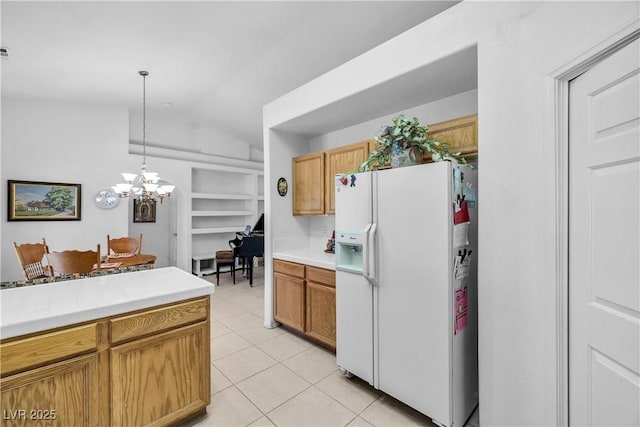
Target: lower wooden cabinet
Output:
[(321, 313), (61, 394), (162, 378), (149, 367), (305, 299), (289, 300), (288, 292)]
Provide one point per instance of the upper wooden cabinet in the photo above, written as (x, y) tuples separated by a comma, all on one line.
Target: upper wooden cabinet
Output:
[(345, 159), (308, 184), (313, 176), (461, 134)]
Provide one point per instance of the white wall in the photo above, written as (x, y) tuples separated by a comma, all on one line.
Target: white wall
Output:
[(278, 220), (57, 142), (256, 155), (519, 46), (282, 223), (157, 237), (517, 276), (168, 130)]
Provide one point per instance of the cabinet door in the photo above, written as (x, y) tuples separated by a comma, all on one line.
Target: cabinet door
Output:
[(321, 313), (461, 134), (60, 394), (308, 184), (289, 300), (162, 378), (342, 160)]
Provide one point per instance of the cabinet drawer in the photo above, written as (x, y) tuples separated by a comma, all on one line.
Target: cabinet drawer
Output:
[(48, 347), (159, 319), (288, 268), (321, 275)]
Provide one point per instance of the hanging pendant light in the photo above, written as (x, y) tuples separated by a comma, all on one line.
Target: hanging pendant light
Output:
[(146, 185)]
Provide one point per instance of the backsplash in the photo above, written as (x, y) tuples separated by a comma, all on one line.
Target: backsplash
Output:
[(321, 226)]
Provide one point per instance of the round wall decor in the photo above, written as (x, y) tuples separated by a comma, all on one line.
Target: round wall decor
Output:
[(107, 199), (283, 186)]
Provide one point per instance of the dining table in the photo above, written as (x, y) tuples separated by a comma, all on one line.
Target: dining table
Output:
[(113, 261)]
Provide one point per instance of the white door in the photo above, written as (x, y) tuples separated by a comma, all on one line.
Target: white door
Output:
[(604, 231)]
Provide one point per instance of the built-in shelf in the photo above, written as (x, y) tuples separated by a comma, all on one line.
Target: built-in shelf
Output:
[(222, 196), (222, 213), (217, 230), (224, 201)]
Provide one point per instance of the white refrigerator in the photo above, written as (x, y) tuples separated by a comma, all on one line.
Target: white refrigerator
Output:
[(406, 311)]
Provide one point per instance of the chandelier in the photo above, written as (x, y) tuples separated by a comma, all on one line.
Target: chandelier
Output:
[(144, 186)]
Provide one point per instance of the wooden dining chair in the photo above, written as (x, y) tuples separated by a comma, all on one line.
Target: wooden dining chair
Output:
[(30, 256), (74, 262), (225, 258), (124, 245)]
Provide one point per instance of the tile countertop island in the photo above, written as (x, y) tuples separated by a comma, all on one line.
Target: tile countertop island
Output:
[(35, 308), (117, 350), (311, 254)]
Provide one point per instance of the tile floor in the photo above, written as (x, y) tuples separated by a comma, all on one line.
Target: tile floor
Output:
[(271, 377)]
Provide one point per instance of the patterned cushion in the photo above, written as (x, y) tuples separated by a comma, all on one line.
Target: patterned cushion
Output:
[(34, 270)]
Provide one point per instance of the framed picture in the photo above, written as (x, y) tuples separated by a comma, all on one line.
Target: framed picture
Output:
[(282, 187), (144, 211), (43, 201)]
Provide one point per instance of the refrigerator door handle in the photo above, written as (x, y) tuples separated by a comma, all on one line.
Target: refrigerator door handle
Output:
[(370, 254), (365, 252)]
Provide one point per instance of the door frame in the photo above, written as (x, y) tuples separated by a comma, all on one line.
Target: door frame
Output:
[(558, 114)]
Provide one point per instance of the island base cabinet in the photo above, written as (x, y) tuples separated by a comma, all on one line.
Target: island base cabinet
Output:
[(61, 394), (139, 368), (161, 379)]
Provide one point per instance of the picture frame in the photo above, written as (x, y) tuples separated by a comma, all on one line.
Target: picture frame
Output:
[(282, 187), (144, 210), (43, 201)]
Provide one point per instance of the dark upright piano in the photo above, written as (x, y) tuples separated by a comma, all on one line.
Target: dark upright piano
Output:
[(252, 245)]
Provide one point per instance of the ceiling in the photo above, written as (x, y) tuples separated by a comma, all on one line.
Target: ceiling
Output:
[(215, 62)]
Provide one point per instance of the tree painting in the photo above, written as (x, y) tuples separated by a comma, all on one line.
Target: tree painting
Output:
[(32, 201), (59, 198)]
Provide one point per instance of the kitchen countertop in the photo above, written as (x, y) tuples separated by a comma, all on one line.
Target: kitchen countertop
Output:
[(312, 255), (37, 308)]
